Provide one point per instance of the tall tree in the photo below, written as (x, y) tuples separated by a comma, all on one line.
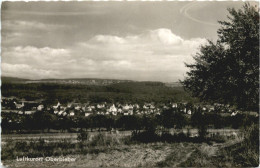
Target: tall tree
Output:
[(228, 71)]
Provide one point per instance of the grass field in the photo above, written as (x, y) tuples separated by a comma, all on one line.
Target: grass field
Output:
[(113, 150), (49, 136), (144, 155)]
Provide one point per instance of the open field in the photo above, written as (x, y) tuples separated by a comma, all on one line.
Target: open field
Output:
[(113, 150), (73, 136), (145, 155)]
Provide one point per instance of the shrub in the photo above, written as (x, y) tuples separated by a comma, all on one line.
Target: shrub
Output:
[(202, 131), (166, 137), (188, 134), (21, 146), (251, 145), (252, 137), (146, 136), (82, 136), (102, 140)]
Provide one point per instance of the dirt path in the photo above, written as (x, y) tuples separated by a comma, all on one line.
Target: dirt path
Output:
[(184, 159), (136, 156)]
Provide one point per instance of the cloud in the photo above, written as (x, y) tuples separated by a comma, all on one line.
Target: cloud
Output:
[(153, 55), (25, 25), (31, 62), (20, 32), (27, 71)]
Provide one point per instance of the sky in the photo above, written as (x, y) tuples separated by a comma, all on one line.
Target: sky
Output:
[(143, 41)]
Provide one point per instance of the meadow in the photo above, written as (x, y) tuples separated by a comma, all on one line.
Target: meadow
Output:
[(103, 149)]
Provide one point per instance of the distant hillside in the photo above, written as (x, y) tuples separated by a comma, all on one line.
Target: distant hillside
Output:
[(173, 84), (5, 79), (83, 81), (101, 91)]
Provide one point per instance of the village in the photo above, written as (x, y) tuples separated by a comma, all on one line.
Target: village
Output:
[(72, 109)]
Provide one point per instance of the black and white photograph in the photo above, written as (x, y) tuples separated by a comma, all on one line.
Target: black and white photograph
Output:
[(130, 84)]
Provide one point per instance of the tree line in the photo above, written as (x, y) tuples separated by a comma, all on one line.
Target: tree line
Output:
[(170, 118)]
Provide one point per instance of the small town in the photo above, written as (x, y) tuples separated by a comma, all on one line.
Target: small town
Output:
[(16, 111), (73, 109)]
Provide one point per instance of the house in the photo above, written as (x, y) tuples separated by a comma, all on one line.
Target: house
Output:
[(69, 105), (112, 109), (40, 107), (88, 108), (174, 105), (152, 106), (114, 113), (131, 112), (145, 107), (19, 106), (58, 105), (87, 114), (119, 110), (100, 106), (63, 108), (234, 113), (126, 107), (136, 106), (189, 112), (28, 112), (77, 107), (131, 106), (211, 108), (165, 107)]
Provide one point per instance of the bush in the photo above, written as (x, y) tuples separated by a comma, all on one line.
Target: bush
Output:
[(166, 137), (82, 136), (251, 145), (20, 146), (252, 137), (101, 140), (202, 131), (145, 137), (245, 153), (217, 138)]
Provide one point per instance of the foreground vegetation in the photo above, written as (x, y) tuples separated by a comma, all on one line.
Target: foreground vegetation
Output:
[(178, 150)]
